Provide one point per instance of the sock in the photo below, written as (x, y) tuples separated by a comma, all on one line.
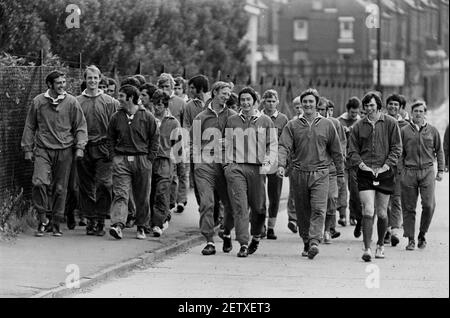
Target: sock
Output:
[(256, 238), (382, 228), (367, 227), (210, 243)]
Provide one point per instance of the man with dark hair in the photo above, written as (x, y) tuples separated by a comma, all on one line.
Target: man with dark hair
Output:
[(394, 103), (348, 120), (140, 78), (134, 142), (162, 166), (147, 91), (421, 146), (375, 148), (248, 161), (180, 88), (94, 170), (335, 186), (314, 144), (131, 80), (112, 88), (270, 103), (208, 170), (55, 132), (180, 178)]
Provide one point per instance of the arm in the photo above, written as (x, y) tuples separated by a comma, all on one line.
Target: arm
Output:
[(112, 137), (353, 156), (285, 146), (395, 146), (271, 156), (153, 137), (79, 127), (29, 130), (439, 153), (335, 150)]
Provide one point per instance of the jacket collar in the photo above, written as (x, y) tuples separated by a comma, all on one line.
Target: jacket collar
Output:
[(85, 93), (57, 100), (254, 117), (275, 114)]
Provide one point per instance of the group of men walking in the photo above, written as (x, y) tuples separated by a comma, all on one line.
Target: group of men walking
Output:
[(130, 151)]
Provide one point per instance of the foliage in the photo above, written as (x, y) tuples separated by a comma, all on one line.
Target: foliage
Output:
[(199, 35), (16, 215)]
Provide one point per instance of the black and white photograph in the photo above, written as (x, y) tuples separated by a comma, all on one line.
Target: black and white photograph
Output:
[(223, 155)]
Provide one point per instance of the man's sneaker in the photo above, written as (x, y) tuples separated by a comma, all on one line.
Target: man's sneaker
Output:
[(180, 207), (90, 227), (243, 251), (352, 221), (140, 234), (327, 237), (342, 222), (292, 226), (313, 251), (56, 230), (367, 255), (379, 252), (165, 226), (411, 245), (253, 246), (394, 239), (209, 249), (116, 231), (387, 238), (41, 229), (227, 244), (305, 249), (271, 234), (157, 231), (357, 230), (334, 233), (421, 242)]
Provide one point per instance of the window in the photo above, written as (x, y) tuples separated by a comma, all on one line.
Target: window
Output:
[(300, 29), (346, 29), (317, 5)]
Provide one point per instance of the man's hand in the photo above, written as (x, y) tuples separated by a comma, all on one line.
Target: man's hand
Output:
[(384, 168), (29, 156), (446, 169), (439, 176), (79, 154), (364, 167), (281, 172)]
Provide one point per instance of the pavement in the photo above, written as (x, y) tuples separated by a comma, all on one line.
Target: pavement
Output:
[(39, 267)]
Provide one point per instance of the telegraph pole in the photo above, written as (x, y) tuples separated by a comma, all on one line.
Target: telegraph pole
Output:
[(379, 87)]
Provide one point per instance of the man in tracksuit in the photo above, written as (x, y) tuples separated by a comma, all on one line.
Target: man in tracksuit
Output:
[(334, 187), (421, 146), (206, 144), (270, 103), (292, 215), (133, 137), (375, 148), (395, 103), (348, 120), (162, 166), (95, 169), (314, 144), (55, 131), (180, 178), (251, 146)]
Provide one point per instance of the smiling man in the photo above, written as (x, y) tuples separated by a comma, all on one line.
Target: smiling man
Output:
[(313, 144), (251, 145), (55, 131), (94, 170), (375, 148), (133, 136), (421, 147)]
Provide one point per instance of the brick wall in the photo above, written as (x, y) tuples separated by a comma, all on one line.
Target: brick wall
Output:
[(18, 86)]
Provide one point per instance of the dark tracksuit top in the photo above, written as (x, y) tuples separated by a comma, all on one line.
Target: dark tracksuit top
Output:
[(375, 146), (246, 183), (192, 109)]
